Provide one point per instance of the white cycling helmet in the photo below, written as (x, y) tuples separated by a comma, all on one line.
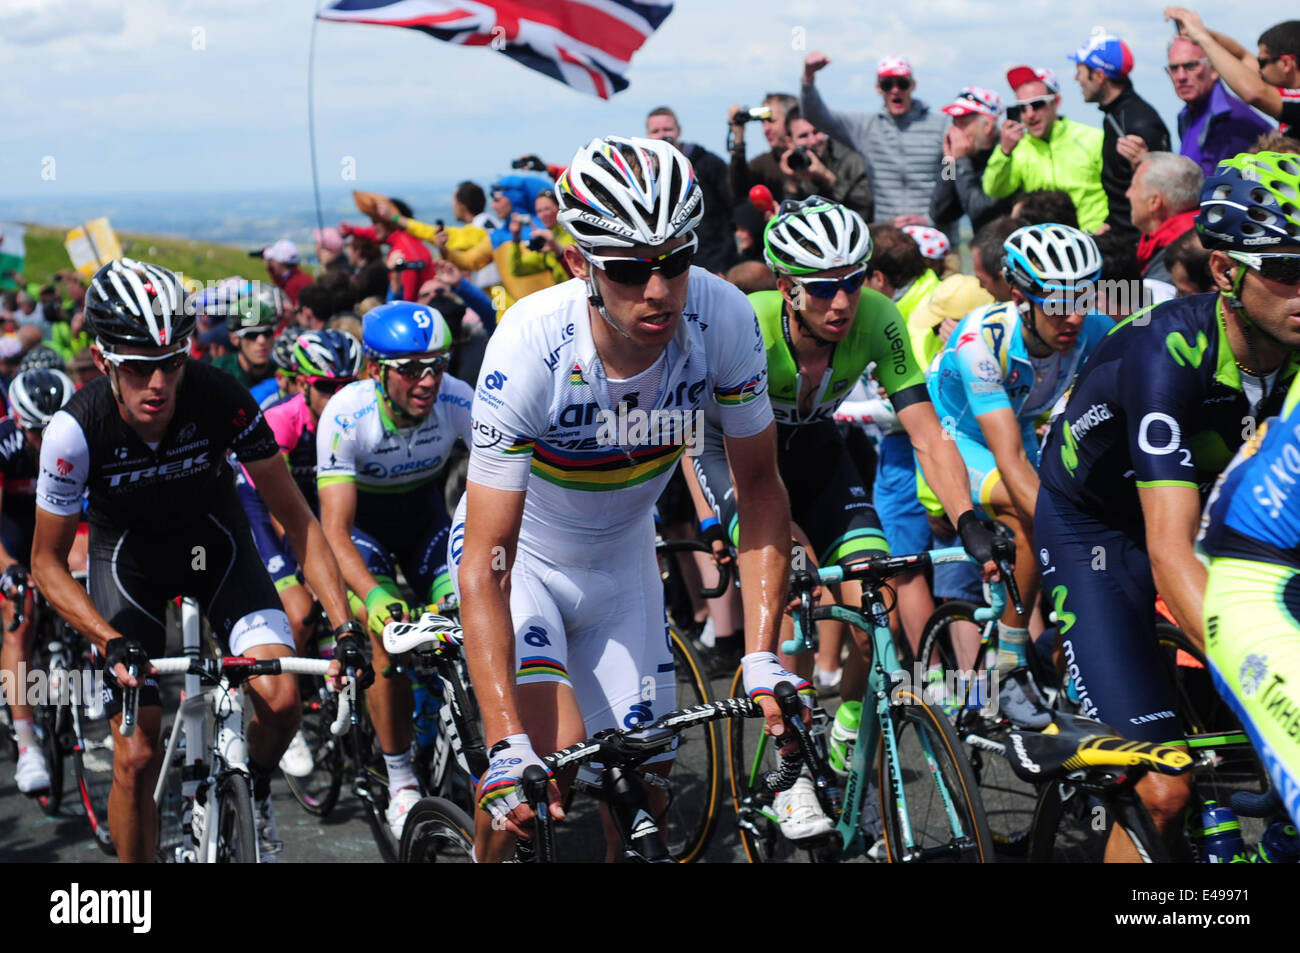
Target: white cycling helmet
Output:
[(36, 395), (815, 235), (620, 192), (1043, 258)]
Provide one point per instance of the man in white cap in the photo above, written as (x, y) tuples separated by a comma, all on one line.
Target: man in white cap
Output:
[(1105, 62), (967, 145), (1056, 154), (282, 265), (902, 143)]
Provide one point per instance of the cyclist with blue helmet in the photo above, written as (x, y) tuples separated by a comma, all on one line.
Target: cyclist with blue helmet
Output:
[(1156, 415), (1005, 366), (381, 445)]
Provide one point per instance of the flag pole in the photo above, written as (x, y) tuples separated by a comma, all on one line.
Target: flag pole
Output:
[(311, 112)]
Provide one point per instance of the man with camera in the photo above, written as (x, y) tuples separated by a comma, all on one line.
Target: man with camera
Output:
[(409, 260), (765, 169), (814, 165), (1056, 154), (717, 245)]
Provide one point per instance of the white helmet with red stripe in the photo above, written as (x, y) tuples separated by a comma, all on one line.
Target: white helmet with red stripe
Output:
[(621, 192)]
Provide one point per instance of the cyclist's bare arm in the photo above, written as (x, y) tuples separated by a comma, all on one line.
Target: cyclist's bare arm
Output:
[(285, 502), (1172, 515), (50, 547), (338, 509), (763, 508), (941, 463), (1002, 433), (492, 519)]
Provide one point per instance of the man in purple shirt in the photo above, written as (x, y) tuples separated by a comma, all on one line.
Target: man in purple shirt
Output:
[(1214, 124)]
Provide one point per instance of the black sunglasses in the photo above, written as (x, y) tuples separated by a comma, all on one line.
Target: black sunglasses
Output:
[(141, 367), (254, 333), (637, 271), (1265, 60), (1280, 268), (414, 370), (889, 83)]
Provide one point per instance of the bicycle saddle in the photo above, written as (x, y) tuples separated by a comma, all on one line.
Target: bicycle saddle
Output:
[(1072, 743), (430, 632)]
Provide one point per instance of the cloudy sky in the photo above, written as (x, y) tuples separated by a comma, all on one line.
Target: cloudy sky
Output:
[(128, 95)]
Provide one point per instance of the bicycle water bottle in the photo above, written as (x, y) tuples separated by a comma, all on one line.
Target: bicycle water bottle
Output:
[(1221, 835), (844, 734), (1279, 845), (428, 701)]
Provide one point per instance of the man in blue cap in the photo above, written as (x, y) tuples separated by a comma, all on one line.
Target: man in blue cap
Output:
[(1104, 63)]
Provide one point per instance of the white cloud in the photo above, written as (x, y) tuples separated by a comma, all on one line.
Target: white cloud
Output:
[(36, 22)]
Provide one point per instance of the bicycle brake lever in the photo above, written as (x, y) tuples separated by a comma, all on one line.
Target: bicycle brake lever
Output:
[(535, 783), (1013, 590)]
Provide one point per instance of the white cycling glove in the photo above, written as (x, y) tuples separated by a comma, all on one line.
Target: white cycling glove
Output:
[(763, 672), (502, 789)]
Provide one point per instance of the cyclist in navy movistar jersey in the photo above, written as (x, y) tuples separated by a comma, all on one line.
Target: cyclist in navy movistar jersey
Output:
[(1156, 415), (381, 444), (1004, 366), (34, 397)]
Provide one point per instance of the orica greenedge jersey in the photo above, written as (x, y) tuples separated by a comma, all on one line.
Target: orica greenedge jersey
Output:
[(543, 423), (878, 335), (986, 366), (1255, 511), (1159, 403), (393, 467)]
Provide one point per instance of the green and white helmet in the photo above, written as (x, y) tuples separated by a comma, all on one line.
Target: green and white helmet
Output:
[(815, 235)]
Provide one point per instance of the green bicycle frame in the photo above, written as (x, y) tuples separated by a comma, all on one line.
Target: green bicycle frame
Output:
[(883, 680)]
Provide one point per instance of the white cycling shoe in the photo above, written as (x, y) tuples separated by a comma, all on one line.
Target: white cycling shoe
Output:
[(31, 773), (297, 760), (800, 812), (399, 803)]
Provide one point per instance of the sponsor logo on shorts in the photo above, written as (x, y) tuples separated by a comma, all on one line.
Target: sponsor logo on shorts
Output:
[(63, 466)]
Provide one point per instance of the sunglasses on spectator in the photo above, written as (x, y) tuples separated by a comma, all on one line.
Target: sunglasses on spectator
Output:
[(890, 83), (329, 386), (624, 270), (1281, 268), (414, 370), (140, 366), (1191, 66), (830, 287), (254, 333), (1036, 104)]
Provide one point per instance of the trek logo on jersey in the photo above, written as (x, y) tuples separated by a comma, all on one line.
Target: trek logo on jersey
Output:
[(552, 360), (63, 466), (165, 470)]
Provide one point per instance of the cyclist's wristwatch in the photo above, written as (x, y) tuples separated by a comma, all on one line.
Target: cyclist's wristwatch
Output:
[(348, 628)]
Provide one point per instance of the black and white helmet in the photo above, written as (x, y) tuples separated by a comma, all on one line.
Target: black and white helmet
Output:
[(137, 304), (815, 235), (620, 192), (36, 395)]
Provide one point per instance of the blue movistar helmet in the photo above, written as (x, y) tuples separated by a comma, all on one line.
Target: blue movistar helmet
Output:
[(403, 327)]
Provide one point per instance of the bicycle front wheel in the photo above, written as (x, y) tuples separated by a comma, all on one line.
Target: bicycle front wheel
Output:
[(936, 813), (695, 781), (318, 791), (437, 831), (53, 721), (1073, 825), (236, 831)]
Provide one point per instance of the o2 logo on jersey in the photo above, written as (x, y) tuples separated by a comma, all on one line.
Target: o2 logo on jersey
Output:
[(536, 637), (494, 381)]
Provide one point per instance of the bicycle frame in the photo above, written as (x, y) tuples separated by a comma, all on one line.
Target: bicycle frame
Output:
[(878, 696), (226, 744)]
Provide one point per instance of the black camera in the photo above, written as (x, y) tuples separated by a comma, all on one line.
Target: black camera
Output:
[(1014, 111), (753, 114), (413, 265), (537, 243), (798, 160), (531, 163)]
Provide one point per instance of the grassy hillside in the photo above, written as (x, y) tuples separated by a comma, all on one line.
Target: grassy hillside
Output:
[(200, 260)]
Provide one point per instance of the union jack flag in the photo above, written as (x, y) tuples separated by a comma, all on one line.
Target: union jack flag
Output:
[(586, 44)]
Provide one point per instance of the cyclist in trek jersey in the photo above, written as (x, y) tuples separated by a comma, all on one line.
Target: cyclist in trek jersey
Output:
[(589, 392), (34, 397), (1158, 412), (820, 330), (1004, 366), (381, 445), (322, 362), (1252, 596), (147, 443)]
